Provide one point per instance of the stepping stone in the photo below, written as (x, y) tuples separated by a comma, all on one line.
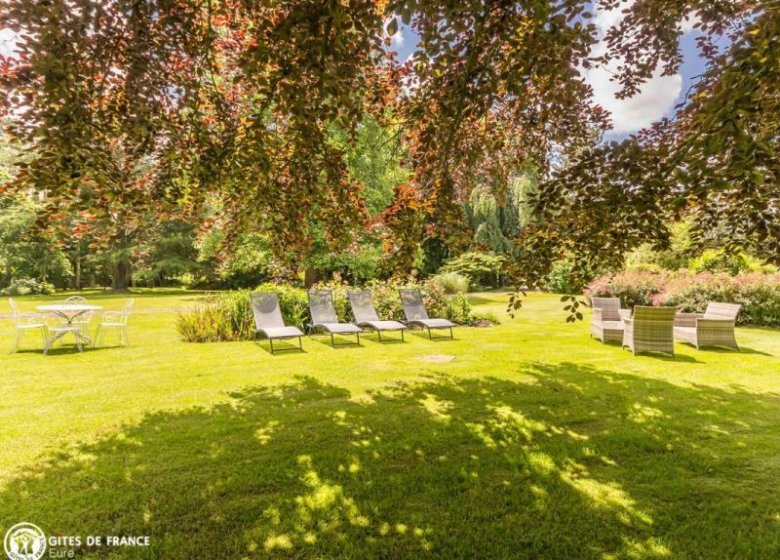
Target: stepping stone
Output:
[(437, 358)]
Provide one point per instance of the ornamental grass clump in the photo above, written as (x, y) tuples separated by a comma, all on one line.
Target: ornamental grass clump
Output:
[(225, 316)]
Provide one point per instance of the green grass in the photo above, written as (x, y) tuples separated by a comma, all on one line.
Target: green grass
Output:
[(534, 441)]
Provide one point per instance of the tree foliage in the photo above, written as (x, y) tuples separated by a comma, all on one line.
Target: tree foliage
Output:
[(135, 109), (716, 162)]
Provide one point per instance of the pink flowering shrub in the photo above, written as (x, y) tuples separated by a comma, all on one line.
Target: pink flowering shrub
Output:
[(636, 287), (758, 292)]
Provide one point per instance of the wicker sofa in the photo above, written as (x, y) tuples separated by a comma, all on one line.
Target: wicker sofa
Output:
[(714, 327)]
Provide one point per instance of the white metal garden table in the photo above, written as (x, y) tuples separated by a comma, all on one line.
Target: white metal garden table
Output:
[(69, 312)]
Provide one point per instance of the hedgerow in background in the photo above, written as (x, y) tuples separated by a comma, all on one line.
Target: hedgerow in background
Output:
[(759, 293)]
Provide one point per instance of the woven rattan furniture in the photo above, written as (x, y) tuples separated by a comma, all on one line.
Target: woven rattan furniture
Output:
[(650, 329), (269, 322), (714, 327), (606, 323), (323, 316), (366, 316), (414, 310)]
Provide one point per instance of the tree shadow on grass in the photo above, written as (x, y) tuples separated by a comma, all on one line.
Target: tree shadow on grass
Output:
[(724, 350), (574, 463)]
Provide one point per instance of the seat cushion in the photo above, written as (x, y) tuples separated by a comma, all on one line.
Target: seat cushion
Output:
[(434, 323), (31, 326), (385, 325), (339, 327), (64, 328), (281, 332), (685, 333)]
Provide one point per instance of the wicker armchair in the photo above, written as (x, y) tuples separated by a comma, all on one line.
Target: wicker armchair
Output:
[(606, 323), (651, 329), (714, 327)]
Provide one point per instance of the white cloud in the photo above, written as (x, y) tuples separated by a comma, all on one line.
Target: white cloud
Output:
[(398, 38), (688, 23), (656, 98), (7, 42)]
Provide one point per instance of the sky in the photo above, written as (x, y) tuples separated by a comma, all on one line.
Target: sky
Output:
[(6, 42), (658, 97)]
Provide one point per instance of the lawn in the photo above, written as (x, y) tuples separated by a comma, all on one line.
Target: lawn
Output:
[(524, 440)]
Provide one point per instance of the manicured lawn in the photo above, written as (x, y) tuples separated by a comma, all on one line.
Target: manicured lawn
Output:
[(525, 440)]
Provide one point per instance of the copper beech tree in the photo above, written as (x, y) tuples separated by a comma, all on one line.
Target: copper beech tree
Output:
[(134, 107)]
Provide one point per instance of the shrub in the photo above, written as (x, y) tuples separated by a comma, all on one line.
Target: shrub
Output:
[(758, 293), (28, 286), (562, 280), (452, 282), (718, 260), (219, 317), (633, 287), (228, 316)]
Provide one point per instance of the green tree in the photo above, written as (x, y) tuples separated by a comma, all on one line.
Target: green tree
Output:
[(498, 222), (374, 160)]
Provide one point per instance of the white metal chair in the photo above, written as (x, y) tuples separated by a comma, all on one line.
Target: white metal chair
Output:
[(27, 322), (116, 320), (83, 320), (58, 331)]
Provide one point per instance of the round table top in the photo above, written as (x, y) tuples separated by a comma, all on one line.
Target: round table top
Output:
[(66, 307)]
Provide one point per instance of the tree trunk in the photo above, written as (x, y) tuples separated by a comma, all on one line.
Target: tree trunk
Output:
[(122, 274), (77, 277), (310, 277)]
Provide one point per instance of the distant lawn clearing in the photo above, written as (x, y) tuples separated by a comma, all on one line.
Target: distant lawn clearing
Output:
[(524, 440)]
